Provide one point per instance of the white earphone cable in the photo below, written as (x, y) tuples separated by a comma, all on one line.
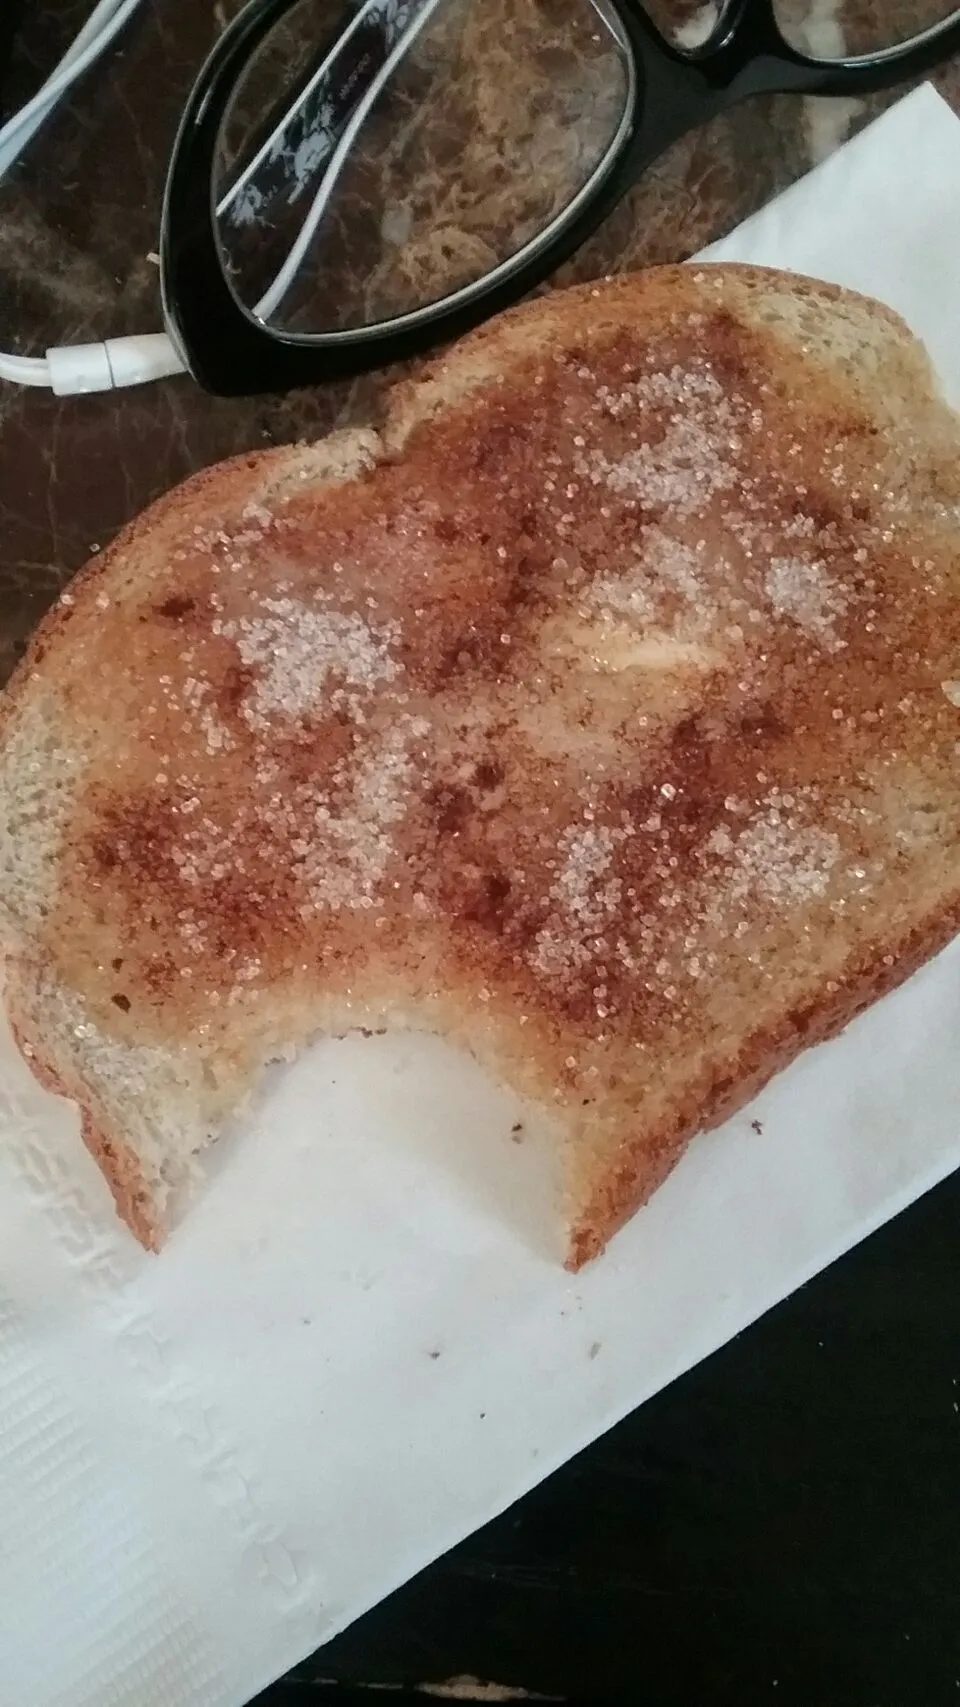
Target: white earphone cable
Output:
[(104, 23), (117, 361), (25, 370)]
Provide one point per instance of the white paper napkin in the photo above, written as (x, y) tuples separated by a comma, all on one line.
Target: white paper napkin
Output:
[(359, 1344)]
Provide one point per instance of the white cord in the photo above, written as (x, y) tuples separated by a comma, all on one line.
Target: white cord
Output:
[(117, 361), (106, 20), (25, 370)]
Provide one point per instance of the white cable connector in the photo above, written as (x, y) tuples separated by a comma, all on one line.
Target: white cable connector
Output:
[(118, 362), (79, 368)]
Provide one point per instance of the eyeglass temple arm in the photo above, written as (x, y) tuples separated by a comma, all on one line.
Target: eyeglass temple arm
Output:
[(334, 166)]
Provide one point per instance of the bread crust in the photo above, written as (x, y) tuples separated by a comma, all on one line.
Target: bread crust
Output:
[(116, 1160), (625, 1189)]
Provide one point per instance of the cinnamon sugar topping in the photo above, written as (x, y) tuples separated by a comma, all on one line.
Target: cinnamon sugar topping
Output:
[(546, 686), (297, 647), (802, 588)]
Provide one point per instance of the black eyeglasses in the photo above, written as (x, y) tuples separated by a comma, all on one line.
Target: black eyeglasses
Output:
[(345, 193)]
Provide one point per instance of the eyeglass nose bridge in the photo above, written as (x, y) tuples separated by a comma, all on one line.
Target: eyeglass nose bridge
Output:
[(750, 24)]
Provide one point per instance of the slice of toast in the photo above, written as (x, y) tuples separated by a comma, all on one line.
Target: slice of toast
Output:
[(602, 713)]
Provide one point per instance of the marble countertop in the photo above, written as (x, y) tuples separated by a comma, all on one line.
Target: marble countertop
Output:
[(79, 221)]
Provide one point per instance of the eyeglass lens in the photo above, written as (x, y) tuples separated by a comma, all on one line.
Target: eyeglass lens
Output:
[(442, 139), (379, 158)]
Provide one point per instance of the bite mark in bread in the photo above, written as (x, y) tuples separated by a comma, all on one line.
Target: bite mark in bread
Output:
[(595, 714)]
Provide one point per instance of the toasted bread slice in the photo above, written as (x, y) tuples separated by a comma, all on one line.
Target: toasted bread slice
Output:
[(602, 713)]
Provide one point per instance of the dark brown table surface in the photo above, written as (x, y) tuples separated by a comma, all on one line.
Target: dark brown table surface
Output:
[(781, 1526)]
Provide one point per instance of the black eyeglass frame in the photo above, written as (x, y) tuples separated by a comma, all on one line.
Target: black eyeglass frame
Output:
[(232, 354)]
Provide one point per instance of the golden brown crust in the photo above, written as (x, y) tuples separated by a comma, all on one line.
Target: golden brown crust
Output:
[(605, 722), (115, 1159), (546, 324), (223, 489), (634, 1179)]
